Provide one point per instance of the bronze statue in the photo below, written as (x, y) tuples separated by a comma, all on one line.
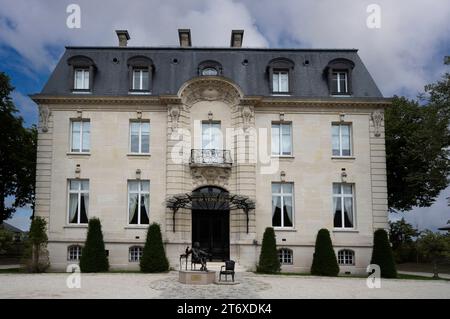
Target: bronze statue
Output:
[(199, 256)]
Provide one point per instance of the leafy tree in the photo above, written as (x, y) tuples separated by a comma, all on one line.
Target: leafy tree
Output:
[(6, 240), (401, 232), (324, 259), (434, 246), (269, 262), (37, 243), (17, 154), (417, 152), (154, 257), (382, 254), (93, 254)]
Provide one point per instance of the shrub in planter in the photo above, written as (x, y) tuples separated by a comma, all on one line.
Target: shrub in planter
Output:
[(269, 262), (154, 257), (93, 254), (324, 259), (382, 254)]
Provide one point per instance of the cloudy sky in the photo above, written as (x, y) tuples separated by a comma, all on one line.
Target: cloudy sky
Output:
[(403, 55)]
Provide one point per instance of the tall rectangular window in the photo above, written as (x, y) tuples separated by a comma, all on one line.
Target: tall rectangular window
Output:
[(78, 201), (81, 80), (282, 205), (281, 139), (140, 79), (80, 136), (280, 81), (211, 136), (138, 202), (342, 139), (343, 205), (140, 137), (339, 83)]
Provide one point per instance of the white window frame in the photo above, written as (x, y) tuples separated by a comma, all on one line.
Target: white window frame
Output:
[(81, 121), (342, 196), (346, 257), (76, 253), (338, 81), (139, 192), (140, 122), (282, 195), (350, 143), (78, 191), (212, 130), (278, 73), (132, 256), (83, 71), (280, 139), (286, 254), (141, 79)]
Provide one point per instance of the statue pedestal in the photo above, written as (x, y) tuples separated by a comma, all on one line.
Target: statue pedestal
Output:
[(192, 277)]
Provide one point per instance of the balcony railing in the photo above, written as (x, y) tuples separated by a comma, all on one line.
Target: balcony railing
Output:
[(211, 157)]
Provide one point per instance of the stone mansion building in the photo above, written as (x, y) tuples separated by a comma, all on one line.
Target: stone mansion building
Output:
[(215, 145)]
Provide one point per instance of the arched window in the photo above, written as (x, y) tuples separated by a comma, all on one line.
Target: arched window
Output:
[(286, 256), (82, 73), (281, 72), (140, 70), (339, 75), (135, 253), (346, 257), (209, 68), (74, 253)]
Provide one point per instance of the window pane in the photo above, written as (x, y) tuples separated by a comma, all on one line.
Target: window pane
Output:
[(144, 208), (84, 205), (275, 139), (73, 208), (348, 212), (345, 132), (86, 136), (276, 188), (136, 80), (76, 127), (134, 138), (275, 82), (85, 185), (287, 141), (284, 82), (287, 211), (334, 83), (145, 186), (145, 137), (86, 79), (337, 222), (276, 211), (133, 186), (347, 188), (74, 185), (335, 139), (343, 82), (336, 188), (287, 188), (133, 208), (145, 80), (78, 81)]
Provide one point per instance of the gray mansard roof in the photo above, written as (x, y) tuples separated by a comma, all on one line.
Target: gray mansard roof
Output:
[(112, 79)]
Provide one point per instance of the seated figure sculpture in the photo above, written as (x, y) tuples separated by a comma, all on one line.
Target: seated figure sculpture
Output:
[(199, 256)]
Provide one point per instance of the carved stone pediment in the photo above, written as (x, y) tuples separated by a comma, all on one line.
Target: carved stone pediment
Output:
[(210, 88), (210, 175)]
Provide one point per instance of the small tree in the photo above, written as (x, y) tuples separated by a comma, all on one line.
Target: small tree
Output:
[(324, 259), (93, 254), (434, 246), (269, 262), (154, 257), (382, 254), (37, 244)]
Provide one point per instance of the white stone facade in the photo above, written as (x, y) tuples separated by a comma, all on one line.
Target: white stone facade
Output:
[(311, 168)]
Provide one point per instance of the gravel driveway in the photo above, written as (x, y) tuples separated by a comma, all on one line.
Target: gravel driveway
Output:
[(135, 285)]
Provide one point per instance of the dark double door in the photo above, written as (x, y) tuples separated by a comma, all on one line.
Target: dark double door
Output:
[(211, 228)]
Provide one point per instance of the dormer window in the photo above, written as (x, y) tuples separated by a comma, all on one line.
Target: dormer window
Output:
[(81, 81), (339, 75), (210, 68), (82, 71), (281, 72), (140, 74)]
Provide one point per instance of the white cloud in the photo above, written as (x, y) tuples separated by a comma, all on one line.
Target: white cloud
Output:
[(25, 105)]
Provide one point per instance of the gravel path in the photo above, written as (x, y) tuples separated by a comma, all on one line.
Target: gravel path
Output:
[(131, 285)]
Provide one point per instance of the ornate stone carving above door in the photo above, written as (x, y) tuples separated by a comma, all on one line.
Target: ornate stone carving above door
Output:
[(208, 175)]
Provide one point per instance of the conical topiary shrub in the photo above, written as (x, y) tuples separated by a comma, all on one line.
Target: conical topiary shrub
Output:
[(382, 254), (269, 262), (154, 257), (324, 259), (93, 254)]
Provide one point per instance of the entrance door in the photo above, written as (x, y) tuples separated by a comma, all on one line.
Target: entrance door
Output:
[(211, 228)]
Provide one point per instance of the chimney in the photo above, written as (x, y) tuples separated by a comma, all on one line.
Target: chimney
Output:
[(236, 38), (185, 37), (123, 37)]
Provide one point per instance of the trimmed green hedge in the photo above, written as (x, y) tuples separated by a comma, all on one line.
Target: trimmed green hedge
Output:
[(93, 254), (324, 259), (269, 263), (382, 254), (154, 257)]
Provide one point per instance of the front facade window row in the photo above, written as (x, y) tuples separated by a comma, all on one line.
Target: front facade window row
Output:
[(74, 253), (280, 72)]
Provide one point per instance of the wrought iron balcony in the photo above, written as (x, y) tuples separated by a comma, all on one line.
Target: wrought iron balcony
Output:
[(211, 157)]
